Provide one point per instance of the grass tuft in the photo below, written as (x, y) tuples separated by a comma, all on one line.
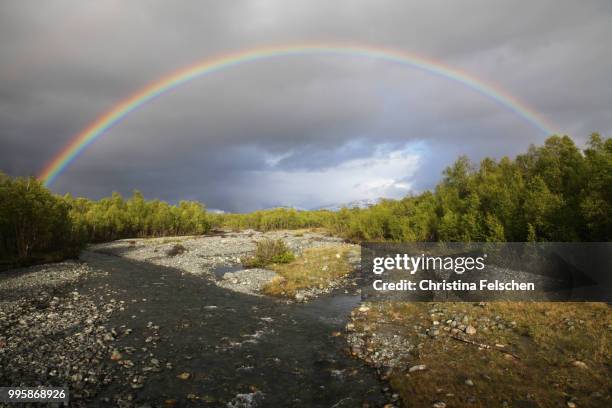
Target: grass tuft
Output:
[(316, 267)]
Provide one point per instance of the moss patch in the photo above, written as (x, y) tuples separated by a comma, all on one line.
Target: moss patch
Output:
[(563, 352)]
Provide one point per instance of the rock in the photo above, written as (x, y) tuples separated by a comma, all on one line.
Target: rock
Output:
[(571, 404), (439, 404), (137, 382), (299, 297), (127, 363), (415, 368), (471, 330), (249, 281), (469, 382), (386, 374), (580, 364)]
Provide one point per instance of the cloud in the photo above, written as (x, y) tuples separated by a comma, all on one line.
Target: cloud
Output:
[(383, 174), (282, 130)]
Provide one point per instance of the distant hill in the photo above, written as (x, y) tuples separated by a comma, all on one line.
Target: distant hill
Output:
[(364, 203), (284, 207)]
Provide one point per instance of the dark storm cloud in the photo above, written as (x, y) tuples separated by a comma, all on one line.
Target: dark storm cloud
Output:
[(304, 130)]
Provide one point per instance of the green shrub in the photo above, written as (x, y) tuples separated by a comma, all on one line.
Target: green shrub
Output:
[(270, 252)]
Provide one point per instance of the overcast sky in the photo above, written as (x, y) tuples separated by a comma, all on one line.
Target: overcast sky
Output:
[(303, 131)]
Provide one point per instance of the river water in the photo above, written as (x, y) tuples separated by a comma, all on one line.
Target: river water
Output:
[(238, 350)]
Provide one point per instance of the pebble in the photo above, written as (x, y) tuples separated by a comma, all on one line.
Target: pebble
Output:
[(364, 309), (419, 367), (580, 364)]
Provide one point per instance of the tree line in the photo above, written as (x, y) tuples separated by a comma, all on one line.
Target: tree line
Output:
[(115, 217), (37, 226), (553, 192), (33, 222)]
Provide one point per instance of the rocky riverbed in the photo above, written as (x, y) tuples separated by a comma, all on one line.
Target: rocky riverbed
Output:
[(200, 255), (133, 324), (219, 257), (53, 334)]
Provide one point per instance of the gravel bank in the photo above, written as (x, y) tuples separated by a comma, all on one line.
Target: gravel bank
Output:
[(202, 256), (50, 334), (249, 281)]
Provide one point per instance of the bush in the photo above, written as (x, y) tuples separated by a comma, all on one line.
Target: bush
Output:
[(270, 252)]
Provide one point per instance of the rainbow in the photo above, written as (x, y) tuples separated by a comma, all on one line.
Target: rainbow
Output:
[(71, 151)]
